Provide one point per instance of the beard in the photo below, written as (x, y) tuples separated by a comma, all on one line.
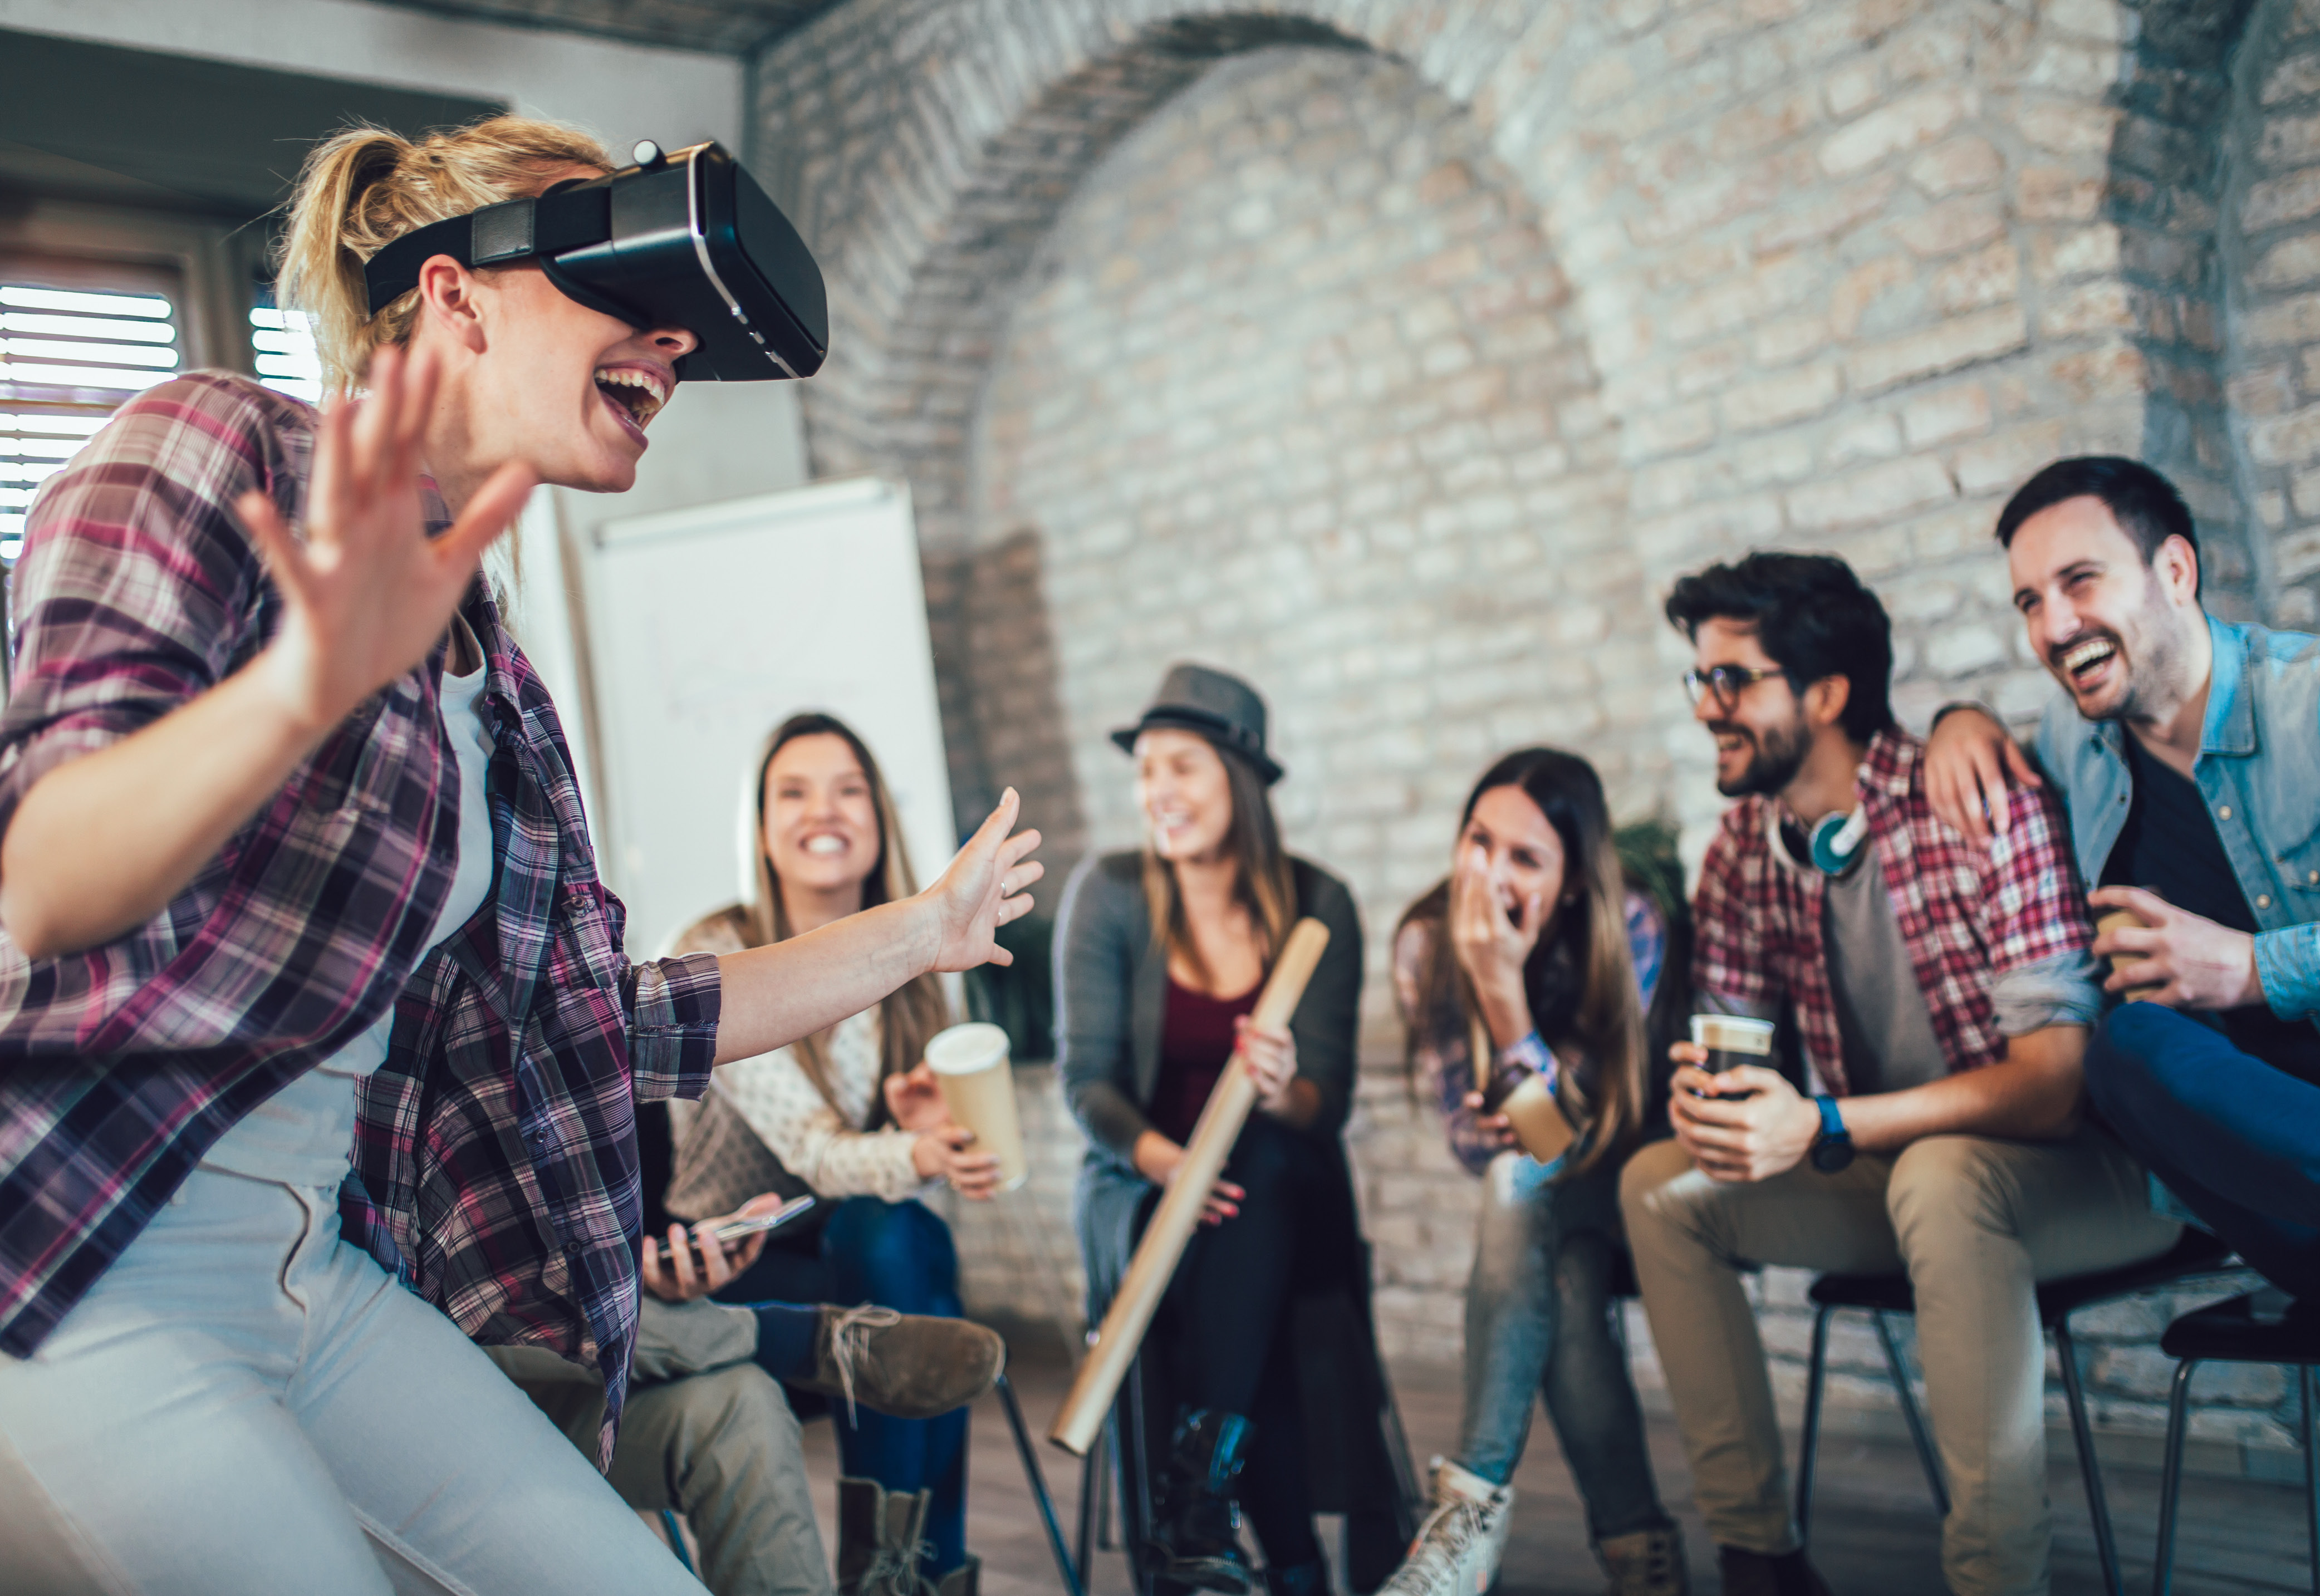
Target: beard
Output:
[(2147, 663), (1777, 754)]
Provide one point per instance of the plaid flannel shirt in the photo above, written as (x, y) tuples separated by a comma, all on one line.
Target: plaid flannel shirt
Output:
[(494, 1164), (1968, 915)]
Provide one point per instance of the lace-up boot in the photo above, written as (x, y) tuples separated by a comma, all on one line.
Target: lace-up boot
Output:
[(1456, 1551), (905, 1365), (1648, 1562), (880, 1538), (1195, 1540)]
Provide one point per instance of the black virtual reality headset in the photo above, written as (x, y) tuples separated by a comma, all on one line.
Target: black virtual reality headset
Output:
[(683, 238)]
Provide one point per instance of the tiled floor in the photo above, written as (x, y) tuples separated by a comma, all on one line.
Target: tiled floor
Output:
[(1875, 1533)]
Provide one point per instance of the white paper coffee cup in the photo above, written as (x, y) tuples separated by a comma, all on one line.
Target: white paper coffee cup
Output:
[(970, 1065), (1732, 1039)]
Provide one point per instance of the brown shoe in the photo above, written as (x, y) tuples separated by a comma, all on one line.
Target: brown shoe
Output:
[(1760, 1574), (962, 1581), (1648, 1562), (905, 1365), (879, 1539)]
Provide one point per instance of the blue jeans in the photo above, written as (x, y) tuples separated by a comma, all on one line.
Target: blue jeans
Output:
[(2235, 1140), (246, 1404), (1539, 1319), (899, 1255)]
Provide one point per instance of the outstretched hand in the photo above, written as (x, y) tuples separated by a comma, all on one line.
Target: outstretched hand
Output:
[(982, 890), (367, 592)]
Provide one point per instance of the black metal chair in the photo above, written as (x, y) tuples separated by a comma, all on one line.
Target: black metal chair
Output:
[(2194, 1254), (2260, 1328)]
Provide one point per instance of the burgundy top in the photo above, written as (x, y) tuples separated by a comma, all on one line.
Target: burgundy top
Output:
[(1196, 1041)]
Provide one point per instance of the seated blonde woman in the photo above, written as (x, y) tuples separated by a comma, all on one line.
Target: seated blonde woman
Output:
[(852, 1115)]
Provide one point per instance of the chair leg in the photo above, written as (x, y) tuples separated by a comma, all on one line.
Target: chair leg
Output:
[(1136, 1484), (1091, 1484), (1809, 1451), (1107, 1501), (2066, 1349), (1036, 1478), (1928, 1458), (2311, 1470), (2170, 1478), (674, 1530)]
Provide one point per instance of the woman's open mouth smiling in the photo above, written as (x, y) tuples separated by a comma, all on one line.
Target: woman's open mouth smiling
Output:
[(633, 393)]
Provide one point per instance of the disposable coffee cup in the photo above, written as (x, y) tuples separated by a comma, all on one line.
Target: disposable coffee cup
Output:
[(2125, 920), (1732, 1040), (970, 1065), (1538, 1120)]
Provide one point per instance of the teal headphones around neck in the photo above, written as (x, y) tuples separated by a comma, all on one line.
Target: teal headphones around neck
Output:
[(1831, 844)]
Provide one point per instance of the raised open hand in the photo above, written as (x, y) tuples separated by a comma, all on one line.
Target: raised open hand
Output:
[(367, 593), (982, 890)]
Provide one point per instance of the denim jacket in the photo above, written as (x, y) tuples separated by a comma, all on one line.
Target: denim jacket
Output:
[(2259, 769)]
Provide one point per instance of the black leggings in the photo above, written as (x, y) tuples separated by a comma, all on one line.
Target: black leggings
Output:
[(1226, 1323)]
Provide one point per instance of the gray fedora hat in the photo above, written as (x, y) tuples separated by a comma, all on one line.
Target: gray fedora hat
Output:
[(1219, 706)]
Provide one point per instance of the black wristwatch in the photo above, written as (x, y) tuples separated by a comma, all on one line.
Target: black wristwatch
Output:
[(1832, 1150)]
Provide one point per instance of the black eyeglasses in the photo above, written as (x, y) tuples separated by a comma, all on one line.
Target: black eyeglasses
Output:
[(1728, 682)]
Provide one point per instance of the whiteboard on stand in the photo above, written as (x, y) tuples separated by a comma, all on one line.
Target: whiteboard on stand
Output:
[(710, 626)]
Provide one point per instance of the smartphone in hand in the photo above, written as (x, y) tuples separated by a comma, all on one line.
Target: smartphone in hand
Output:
[(733, 1232)]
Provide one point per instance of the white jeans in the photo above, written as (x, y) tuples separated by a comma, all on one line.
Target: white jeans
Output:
[(246, 1404)]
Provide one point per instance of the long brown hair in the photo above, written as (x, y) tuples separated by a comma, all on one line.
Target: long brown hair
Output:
[(913, 1012), (363, 188), (1581, 978), (1263, 883)]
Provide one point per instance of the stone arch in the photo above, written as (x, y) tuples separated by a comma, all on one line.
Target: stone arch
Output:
[(1845, 269), (991, 146)]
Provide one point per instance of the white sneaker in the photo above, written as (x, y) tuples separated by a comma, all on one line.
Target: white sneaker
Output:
[(1457, 1552)]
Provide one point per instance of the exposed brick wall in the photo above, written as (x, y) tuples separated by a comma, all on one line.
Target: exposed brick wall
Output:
[(2271, 244), (1405, 373)]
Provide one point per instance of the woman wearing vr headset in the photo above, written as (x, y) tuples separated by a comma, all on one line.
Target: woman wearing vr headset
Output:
[(293, 862)]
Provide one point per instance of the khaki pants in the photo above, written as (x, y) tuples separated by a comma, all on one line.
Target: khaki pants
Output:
[(1976, 1222), (707, 1434)]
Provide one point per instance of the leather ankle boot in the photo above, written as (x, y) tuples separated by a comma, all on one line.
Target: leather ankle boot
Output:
[(965, 1579), (1195, 1539), (1647, 1563), (879, 1533)]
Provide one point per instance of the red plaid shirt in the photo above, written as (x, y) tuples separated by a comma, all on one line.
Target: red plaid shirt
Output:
[(1968, 915), (494, 1164)]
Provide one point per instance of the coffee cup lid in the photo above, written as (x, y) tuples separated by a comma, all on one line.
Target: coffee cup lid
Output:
[(965, 1048), (1733, 1033)]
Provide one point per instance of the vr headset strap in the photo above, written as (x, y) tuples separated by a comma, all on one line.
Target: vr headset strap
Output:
[(514, 229)]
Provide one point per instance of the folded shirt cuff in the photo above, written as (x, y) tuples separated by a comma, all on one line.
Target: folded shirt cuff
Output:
[(673, 1025), (2288, 965)]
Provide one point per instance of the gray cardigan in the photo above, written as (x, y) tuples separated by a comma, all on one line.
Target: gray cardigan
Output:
[(1110, 995)]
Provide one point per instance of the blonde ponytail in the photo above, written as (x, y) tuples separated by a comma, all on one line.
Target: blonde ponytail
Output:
[(364, 187)]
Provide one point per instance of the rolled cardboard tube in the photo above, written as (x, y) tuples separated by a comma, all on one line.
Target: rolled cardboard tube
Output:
[(1170, 1230)]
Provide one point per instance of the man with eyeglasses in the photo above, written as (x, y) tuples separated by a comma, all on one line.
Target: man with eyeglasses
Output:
[(1942, 990)]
